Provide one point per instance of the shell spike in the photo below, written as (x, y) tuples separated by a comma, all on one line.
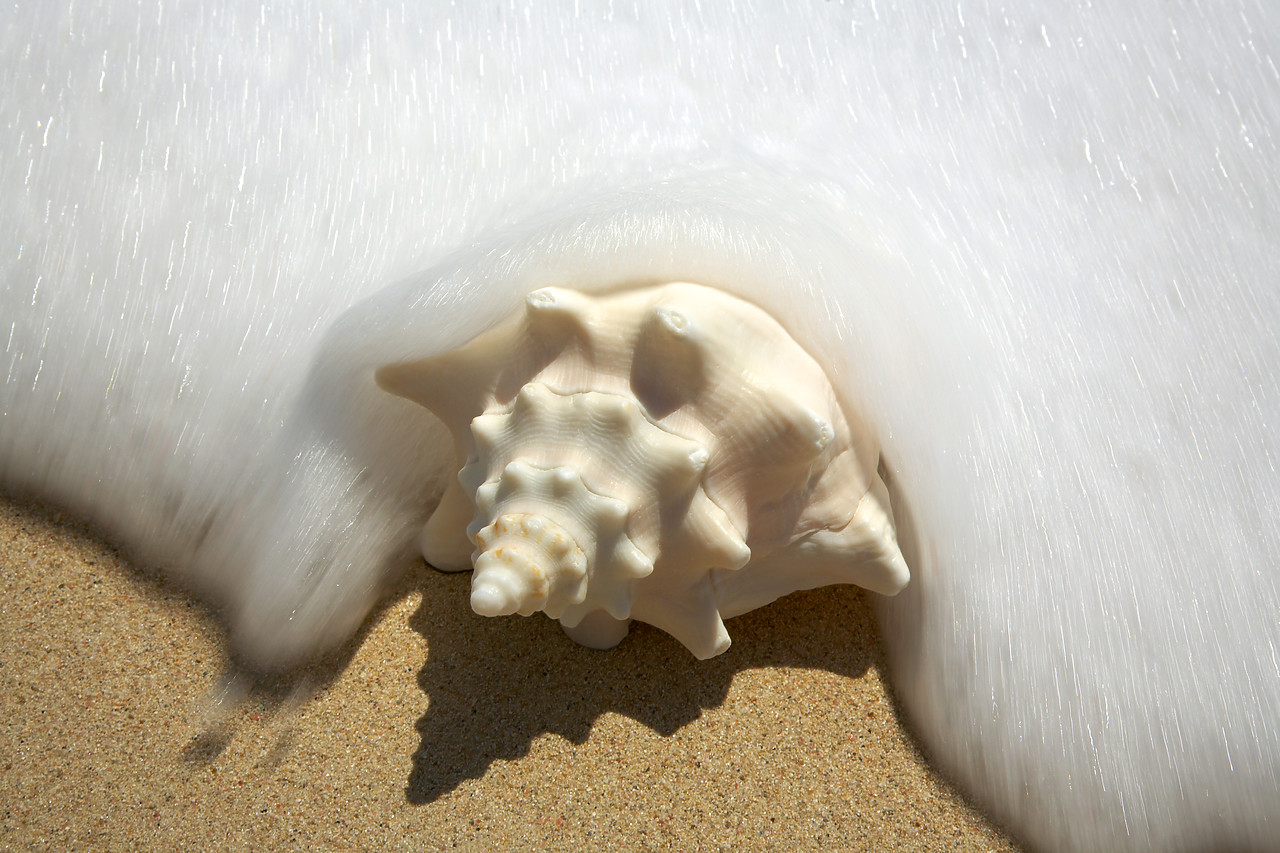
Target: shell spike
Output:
[(671, 322), (554, 314), (669, 367), (817, 431), (691, 616), (686, 470), (444, 541), (598, 630), (795, 433), (414, 381), (871, 536), (550, 301)]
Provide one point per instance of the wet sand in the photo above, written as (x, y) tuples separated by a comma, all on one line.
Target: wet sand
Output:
[(439, 729)]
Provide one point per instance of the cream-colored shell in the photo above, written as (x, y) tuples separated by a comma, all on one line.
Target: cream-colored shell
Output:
[(667, 454)]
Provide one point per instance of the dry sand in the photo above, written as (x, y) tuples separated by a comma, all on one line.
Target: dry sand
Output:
[(441, 729)]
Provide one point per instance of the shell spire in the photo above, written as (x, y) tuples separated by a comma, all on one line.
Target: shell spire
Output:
[(667, 454)]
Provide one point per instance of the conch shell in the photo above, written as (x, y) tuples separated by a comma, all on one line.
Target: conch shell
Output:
[(667, 454)]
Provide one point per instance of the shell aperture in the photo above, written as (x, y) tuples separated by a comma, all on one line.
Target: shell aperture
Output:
[(667, 453)]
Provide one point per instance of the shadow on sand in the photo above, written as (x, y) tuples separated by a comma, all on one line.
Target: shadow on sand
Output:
[(496, 685)]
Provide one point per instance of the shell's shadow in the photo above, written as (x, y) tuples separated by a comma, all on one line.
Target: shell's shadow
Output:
[(495, 685)]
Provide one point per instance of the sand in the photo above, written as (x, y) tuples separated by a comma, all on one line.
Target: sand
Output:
[(439, 729)]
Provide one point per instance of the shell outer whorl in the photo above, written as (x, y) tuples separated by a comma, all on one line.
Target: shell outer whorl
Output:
[(666, 453)]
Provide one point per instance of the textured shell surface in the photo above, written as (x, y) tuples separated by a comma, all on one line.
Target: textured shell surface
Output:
[(1032, 245), (667, 453)]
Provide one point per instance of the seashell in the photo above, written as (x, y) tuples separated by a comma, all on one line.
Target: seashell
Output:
[(668, 454)]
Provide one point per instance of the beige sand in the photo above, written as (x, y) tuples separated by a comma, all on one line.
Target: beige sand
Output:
[(444, 730)]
